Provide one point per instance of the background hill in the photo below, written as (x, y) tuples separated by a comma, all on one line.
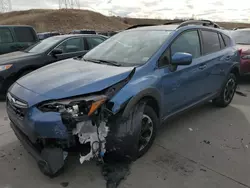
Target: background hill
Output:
[(67, 20)]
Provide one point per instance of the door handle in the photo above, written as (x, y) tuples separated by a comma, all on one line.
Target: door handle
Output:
[(201, 67)]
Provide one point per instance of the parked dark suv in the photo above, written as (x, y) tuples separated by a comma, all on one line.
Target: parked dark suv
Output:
[(114, 99), (17, 64), (15, 38)]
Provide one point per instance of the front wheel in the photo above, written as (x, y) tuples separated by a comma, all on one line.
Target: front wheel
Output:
[(227, 92), (147, 133)]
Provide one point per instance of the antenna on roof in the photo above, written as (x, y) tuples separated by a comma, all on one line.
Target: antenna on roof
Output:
[(5, 6)]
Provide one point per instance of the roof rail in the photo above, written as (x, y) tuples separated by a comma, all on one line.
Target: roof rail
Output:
[(199, 22), (139, 25), (212, 23)]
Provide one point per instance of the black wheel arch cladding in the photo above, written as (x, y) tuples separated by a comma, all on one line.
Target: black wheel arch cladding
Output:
[(150, 96), (124, 127), (124, 131), (236, 71)]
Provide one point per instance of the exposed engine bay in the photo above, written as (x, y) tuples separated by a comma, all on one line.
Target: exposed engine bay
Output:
[(94, 136)]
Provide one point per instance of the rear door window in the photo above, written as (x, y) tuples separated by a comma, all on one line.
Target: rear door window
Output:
[(24, 34), (5, 36), (211, 42), (94, 41)]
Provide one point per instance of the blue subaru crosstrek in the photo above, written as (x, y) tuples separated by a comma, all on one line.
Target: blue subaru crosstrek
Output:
[(113, 100)]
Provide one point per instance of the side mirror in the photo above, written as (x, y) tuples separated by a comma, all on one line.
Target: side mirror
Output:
[(56, 52), (181, 58)]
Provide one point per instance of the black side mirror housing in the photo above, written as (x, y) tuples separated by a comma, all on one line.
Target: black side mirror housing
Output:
[(56, 52), (181, 58)]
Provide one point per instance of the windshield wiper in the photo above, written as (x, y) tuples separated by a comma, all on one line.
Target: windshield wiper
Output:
[(110, 62), (114, 63)]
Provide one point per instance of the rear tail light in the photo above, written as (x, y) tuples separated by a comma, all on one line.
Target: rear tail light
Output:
[(244, 55), (240, 52)]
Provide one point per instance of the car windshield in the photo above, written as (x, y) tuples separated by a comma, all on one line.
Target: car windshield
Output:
[(130, 47), (43, 45), (241, 36)]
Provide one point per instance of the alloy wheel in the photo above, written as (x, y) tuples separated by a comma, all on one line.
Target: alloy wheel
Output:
[(229, 90), (146, 131)]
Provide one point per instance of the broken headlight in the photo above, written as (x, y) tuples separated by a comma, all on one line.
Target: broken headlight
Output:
[(78, 106)]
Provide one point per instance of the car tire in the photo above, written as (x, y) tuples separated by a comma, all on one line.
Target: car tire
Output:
[(227, 92), (150, 116)]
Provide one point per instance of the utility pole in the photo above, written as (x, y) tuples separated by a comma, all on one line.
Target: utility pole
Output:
[(72, 4), (5, 6)]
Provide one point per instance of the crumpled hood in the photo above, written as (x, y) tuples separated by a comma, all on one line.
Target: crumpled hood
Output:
[(14, 56), (72, 77)]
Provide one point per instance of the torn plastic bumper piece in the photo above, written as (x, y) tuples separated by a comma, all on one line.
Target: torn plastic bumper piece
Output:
[(50, 160)]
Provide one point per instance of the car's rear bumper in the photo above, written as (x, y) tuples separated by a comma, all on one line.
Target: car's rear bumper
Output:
[(245, 66)]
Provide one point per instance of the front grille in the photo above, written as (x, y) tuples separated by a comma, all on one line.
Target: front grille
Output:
[(17, 106)]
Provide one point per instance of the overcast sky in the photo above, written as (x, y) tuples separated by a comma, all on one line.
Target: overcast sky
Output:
[(218, 10)]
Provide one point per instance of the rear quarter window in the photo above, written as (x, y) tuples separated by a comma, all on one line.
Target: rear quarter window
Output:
[(226, 39), (222, 42), (211, 42), (25, 34)]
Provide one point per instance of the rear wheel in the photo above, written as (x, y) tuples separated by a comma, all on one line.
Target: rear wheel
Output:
[(147, 134), (227, 92)]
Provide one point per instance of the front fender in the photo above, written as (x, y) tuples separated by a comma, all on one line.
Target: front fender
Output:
[(149, 92), (133, 92)]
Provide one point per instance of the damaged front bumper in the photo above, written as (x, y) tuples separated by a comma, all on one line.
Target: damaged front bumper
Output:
[(51, 128), (50, 160)]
